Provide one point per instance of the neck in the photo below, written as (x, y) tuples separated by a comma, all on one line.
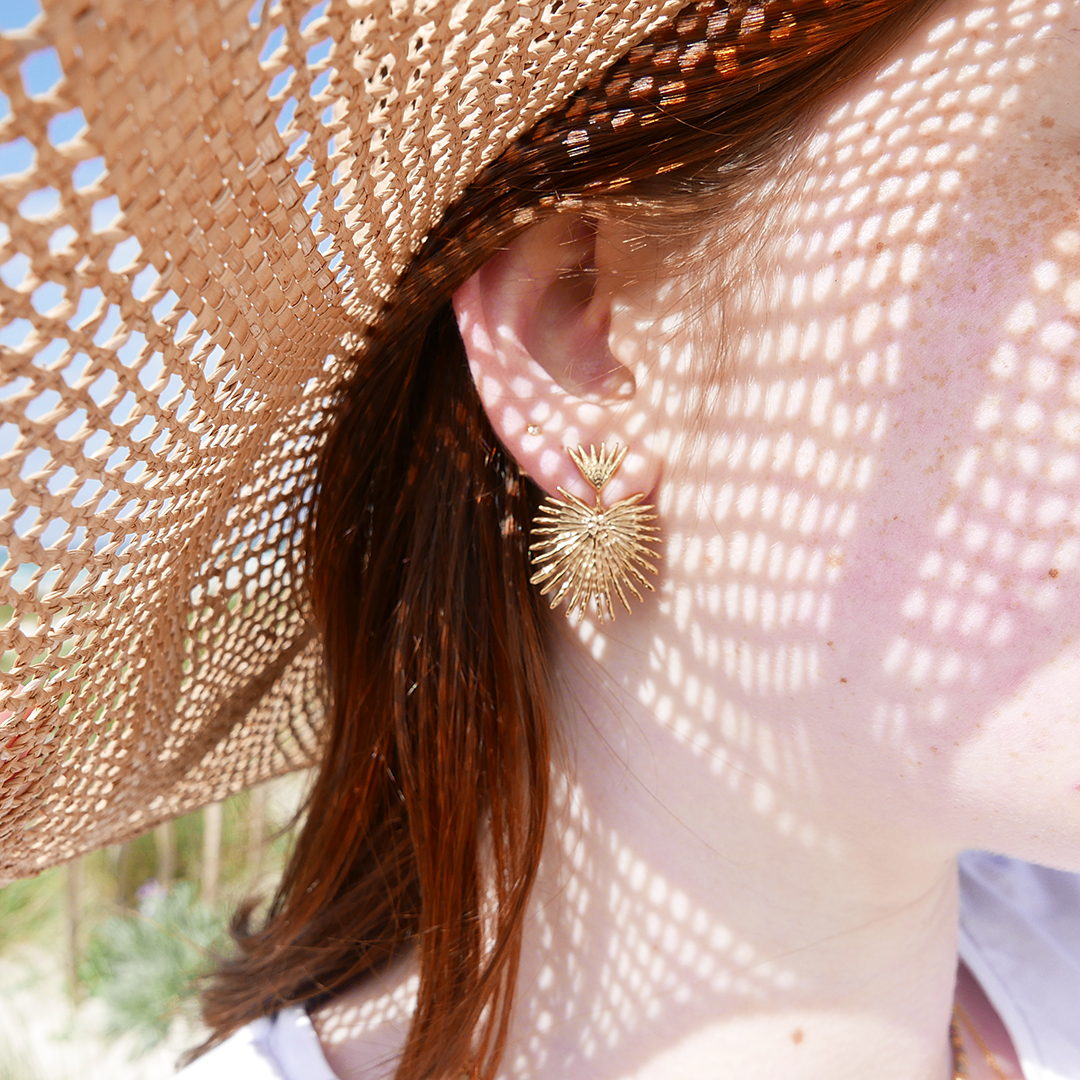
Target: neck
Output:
[(703, 910), (712, 901)]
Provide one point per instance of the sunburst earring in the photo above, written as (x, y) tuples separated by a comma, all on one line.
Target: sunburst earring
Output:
[(588, 552)]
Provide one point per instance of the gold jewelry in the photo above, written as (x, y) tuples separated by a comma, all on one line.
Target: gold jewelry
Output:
[(586, 552), (956, 1040), (960, 1070)]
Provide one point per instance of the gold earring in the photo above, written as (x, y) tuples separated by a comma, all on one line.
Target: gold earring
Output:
[(587, 552)]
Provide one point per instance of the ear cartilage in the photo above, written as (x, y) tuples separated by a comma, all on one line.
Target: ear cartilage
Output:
[(588, 553)]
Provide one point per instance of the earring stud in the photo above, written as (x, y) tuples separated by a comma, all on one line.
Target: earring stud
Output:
[(587, 553)]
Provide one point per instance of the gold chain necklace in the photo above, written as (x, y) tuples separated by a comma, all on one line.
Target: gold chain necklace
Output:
[(959, 1054)]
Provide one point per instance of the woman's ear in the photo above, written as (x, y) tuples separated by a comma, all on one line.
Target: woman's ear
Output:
[(536, 322)]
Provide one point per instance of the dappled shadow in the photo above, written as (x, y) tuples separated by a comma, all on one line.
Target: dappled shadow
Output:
[(865, 628)]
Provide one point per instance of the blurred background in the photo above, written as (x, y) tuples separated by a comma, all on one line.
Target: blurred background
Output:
[(100, 960)]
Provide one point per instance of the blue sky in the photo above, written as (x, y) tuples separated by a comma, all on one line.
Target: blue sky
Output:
[(16, 13), (40, 72)]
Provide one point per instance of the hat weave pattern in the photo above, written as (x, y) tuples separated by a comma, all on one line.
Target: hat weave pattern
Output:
[(201, 213)]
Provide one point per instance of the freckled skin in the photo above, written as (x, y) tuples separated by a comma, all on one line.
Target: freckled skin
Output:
[(864, 651), (977, 473)]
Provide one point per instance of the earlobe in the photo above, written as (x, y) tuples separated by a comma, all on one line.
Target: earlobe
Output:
[(535, 322)]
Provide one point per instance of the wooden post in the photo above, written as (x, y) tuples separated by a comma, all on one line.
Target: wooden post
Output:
[(165, 842), (124, 874), (256, 837), (211, 864), (72, 918)]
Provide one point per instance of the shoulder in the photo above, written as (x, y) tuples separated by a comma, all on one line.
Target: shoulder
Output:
[(279, 1047)]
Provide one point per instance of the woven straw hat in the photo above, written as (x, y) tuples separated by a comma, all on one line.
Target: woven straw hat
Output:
[(201, 211)]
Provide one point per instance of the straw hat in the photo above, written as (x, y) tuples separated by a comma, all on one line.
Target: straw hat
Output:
[(204, 203)]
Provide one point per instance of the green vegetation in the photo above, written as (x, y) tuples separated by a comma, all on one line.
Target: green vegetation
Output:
[(145, 965), (30, 911), (139, 923)]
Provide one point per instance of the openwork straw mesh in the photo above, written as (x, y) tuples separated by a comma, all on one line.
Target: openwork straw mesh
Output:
[(201, 208)]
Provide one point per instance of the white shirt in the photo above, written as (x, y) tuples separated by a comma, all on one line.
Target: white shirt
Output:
[(279, 1047), (1019, 936)]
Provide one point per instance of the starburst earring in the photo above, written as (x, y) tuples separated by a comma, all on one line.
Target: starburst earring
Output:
[(589, 552)]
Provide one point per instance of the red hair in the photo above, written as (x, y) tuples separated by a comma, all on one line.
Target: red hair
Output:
[(424, 827)]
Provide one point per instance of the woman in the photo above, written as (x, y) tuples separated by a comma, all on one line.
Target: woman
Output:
[(815, 266)]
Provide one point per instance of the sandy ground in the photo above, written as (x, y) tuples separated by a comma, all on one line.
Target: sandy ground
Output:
[(43, 1038)]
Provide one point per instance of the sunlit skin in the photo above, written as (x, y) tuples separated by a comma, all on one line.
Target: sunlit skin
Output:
[(862, 656)]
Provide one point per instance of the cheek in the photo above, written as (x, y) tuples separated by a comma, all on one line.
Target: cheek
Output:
[(959, 604), (894, 507), (981, 469), (876, 557), (878, 549)]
